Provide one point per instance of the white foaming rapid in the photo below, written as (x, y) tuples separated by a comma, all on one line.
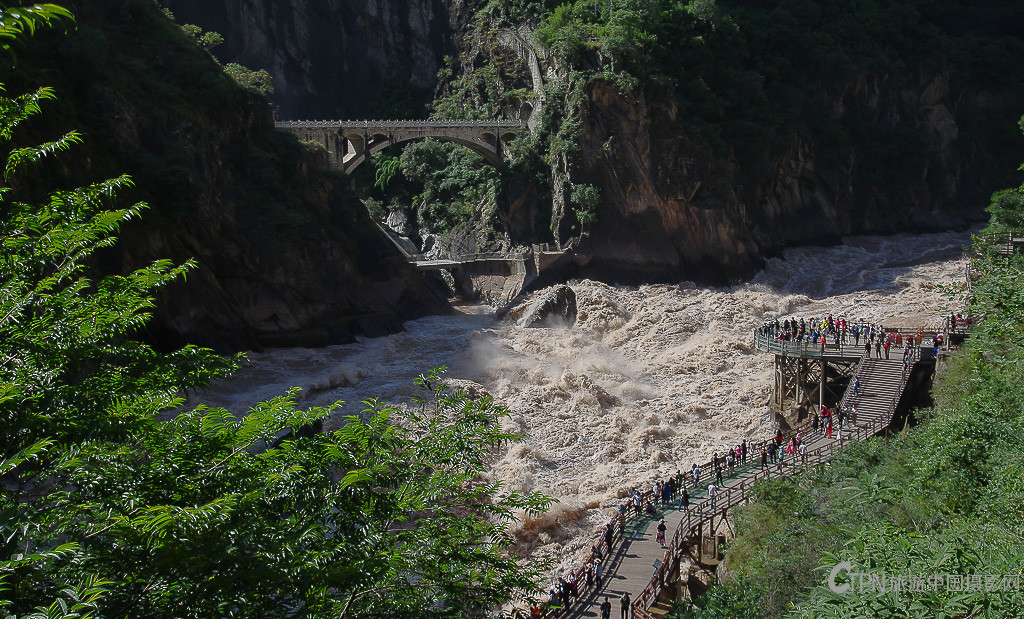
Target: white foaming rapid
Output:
[(647, 381)]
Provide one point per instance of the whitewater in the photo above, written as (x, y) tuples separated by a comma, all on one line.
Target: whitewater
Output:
[(649, 380)]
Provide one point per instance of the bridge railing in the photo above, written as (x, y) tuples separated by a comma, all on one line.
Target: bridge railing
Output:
[(768, 341), (399, 124), (805, 348), (494, 255)]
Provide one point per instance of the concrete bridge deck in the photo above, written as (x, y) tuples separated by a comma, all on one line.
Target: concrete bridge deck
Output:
[(348, 143)]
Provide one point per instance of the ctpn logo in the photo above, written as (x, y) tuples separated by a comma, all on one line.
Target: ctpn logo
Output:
[(881, 583), (832, 584)]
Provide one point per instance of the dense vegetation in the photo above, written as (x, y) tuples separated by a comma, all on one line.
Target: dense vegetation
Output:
[(943, 498), (742, 83), (108, 511)]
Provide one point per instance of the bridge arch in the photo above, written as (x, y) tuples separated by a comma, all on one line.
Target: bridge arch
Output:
[(350, 143)]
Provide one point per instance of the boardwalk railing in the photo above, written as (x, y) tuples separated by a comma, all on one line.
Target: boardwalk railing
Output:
[(580, 577), (768, 341), (729, 497)]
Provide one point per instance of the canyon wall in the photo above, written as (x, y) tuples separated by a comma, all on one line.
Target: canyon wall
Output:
[(670, 210), (334, 59), (285, 254), (910, 150)]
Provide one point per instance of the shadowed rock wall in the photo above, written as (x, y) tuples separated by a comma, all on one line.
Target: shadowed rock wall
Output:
[(332, 59)]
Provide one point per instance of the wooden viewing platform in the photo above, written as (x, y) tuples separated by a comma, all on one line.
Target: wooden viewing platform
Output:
[(637, 564)]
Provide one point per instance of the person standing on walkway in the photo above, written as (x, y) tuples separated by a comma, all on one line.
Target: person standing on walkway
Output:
[(814, 423), (609, 536), (878, 347), (684, 501), (625, 605), (711, 494), (743, 450), (606, 608), (803, 453), (718, 473), (598, 573), (764, 459), (886, 347), (856, 385), (867, 347), (661, 533)]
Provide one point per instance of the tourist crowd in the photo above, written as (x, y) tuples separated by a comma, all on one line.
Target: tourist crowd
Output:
[(674, 491), (838, 333)]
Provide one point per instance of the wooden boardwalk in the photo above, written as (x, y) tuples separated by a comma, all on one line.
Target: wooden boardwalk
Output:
[(638, 564)]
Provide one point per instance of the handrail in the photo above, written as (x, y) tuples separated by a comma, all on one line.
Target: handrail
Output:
[(768, 341), (819, 455), (400, 124), (492, 255), (729, 497)]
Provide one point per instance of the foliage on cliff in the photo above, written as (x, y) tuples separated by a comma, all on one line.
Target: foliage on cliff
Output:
[(942, 499), (734, 86), (257, 80)]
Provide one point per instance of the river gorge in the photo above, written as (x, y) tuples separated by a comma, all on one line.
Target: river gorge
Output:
[(648, 380)]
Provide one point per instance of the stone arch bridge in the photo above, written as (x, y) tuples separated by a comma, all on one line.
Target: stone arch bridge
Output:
[(351, 142)]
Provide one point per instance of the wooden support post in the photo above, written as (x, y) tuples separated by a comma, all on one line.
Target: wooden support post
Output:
[(821, 383)]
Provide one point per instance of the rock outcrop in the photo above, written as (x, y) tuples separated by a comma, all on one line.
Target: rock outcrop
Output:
[(555, 307)]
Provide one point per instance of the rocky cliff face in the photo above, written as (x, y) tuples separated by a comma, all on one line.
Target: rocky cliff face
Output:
[(285, 254), (333, 58), (667, 212), (914, 150)]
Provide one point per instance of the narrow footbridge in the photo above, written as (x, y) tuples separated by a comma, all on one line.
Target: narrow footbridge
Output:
[(656, 575), (436, 264), (350, 142)]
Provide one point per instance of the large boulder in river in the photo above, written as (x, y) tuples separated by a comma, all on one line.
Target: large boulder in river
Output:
[(554, 307)]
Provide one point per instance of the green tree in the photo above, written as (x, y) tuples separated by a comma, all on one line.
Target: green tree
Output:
[(586, 199), (108, 510), (258, 80), (18, 22)]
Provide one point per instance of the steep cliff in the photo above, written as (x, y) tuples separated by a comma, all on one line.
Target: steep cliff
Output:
[(286, 255), (719, 133), (334, 58), (715, 218), (677, 139)]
